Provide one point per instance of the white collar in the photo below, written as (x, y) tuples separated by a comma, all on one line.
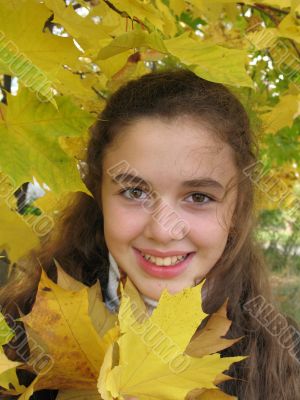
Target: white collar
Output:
[(112, 300)]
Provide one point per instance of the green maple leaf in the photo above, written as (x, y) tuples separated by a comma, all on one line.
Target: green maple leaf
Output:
[(29, 146)]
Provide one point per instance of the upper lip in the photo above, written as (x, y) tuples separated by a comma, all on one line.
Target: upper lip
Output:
[(163, 254)]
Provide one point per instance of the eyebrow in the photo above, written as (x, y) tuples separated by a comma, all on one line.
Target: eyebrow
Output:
[(194, 183)]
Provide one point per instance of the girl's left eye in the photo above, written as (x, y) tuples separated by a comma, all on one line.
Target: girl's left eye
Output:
[(200, 198), (135, 193)]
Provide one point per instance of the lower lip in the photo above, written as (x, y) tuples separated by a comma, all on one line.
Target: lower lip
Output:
[(163, 272)]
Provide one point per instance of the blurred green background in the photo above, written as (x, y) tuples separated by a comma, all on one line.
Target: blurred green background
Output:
[(280, 240)]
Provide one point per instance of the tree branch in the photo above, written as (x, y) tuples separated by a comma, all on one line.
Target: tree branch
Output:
[(264, 8), (271, 8)]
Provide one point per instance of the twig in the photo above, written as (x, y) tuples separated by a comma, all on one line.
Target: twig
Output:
[(124, 14), (99, 93), (114, 8)]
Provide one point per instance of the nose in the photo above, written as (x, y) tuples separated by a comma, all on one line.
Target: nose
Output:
[(164, 225)]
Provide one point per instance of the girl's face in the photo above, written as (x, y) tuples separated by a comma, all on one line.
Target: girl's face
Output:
[(166, 213)]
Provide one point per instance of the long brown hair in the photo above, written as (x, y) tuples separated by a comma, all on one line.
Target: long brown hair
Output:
[(271, 372)]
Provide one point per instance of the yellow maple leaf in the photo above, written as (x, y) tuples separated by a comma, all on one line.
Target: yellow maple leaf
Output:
[(210, 61), (6, 364), (29, 133), (60, 324), (159, 367), (178, 6), (131, 40), (29, 53), (16, 236), (282, 114), (82, 28), (170, 27), (145, 12), (72, 84), (288, 28)]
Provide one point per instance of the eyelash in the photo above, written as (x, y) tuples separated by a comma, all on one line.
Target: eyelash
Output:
[(138, 188)]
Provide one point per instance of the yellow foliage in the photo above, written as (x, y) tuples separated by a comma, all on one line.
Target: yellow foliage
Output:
[(160, 367), (132, 69), (29, 133), (75, 335), (283, 114), (8, 377), (169, 27), (263, 38), (74, 348), (210, 10), (82, 28), (276, 189), (146, 12), (289, 29), (132, 40), (28, 52), (178, 6), (17, 235), (80, 89), (112, 22), (210, 61), (110, 66)]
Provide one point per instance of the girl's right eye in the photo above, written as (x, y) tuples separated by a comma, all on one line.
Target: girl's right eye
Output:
[(132, 190)]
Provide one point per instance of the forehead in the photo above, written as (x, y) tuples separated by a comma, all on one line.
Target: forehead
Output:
[(168, 151)]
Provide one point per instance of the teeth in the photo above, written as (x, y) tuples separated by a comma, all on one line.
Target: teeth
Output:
[(164, 261)]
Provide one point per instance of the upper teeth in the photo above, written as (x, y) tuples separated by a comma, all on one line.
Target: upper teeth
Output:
[(164, 261)]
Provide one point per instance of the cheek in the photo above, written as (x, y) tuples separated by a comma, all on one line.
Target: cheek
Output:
[(208, 232), (120, 223)]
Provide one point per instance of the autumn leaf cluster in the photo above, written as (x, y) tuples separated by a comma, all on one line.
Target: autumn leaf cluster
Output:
[(79, 347)]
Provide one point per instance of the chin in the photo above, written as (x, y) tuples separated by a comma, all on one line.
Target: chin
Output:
[(156, 292)]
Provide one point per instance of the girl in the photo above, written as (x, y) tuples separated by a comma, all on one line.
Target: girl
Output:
[(169, 167)]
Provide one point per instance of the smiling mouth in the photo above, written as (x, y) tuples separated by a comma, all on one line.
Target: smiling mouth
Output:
[(167, 271), (164, 261)]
